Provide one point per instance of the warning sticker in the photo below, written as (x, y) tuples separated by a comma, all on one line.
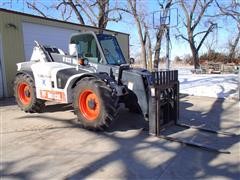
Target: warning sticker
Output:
[(52, 95)]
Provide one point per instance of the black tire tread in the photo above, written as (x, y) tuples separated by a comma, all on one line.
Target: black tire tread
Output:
[(36, 105), (111, 106)]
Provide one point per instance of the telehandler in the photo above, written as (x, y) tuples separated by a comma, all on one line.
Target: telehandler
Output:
[(96, 78)]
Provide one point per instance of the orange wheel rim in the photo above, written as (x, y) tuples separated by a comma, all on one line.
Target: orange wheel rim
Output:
[(24, 93), (89, 105)]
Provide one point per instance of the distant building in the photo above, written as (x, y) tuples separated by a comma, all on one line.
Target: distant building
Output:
[(18, 32)]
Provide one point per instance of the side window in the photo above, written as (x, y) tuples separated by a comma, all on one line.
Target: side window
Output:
[(87, 47)]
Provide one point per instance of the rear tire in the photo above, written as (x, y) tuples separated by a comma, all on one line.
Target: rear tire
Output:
[(25, 94), (94, 104)]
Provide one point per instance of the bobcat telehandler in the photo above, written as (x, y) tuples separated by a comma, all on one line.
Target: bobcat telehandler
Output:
[(95, 78)]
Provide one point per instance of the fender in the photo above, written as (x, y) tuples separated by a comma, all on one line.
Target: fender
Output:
[(26, 72), (64, 76), (118, 90), (25, 68)]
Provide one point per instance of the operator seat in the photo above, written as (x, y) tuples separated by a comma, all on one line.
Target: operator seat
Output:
[(88, 54)]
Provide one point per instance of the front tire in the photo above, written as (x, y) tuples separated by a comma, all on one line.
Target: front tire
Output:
[(94, 104), (25, 94)]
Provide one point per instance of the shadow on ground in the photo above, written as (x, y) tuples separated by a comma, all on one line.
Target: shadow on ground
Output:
[(189, 163), (184, 163), (52, 108)]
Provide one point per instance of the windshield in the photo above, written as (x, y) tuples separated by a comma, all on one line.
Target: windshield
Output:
[(111, 49)]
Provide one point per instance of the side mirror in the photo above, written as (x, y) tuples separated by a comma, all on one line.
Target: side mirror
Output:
[(73, 49), (131, 61)]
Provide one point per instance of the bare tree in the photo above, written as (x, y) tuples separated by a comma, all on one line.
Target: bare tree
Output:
[(165, 6), (210, 43), (149, 47), (73, 6), (232, 10), (193, 15), (140, 28), (103, 14), (42, 8), (233, 45), (96, 12), (35, 6), (66, 13)]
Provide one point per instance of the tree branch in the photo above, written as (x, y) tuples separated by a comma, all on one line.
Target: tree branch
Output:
[(199, 33), (90, 8), (74, 7), (234, 44), (232, 13), (114, 19), (60, 4), (119, 9), (203, 9), (210, 28), (33, 6), (188, 24), (87, 14), (183, 37), (193, 9)]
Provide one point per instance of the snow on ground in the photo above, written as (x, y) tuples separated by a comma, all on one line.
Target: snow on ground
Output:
[(210, 85)]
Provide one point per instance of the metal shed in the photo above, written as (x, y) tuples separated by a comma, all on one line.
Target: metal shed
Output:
[(18, 32)]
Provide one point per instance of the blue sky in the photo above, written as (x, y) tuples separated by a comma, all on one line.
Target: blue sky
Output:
[(219, 38)]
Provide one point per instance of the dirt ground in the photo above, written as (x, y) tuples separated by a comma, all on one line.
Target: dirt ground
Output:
[(51, 145)]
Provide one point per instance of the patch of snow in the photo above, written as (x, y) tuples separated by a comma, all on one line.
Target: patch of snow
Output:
[(210, 85)]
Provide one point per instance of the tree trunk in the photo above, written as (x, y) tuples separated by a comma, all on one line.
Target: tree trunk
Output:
[(160, 34), (192, 21), (143, 43), (161, 31), (195, 57), (233, 46), (134, 12), (149, 47), (149, 55), (194, 49), (157, 53), (102, 6), (144, 54)]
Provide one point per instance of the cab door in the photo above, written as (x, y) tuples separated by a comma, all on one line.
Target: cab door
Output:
[(88, 48)]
